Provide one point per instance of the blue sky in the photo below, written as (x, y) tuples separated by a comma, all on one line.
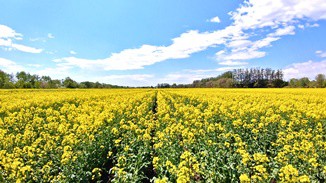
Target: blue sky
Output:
[(144, 42)]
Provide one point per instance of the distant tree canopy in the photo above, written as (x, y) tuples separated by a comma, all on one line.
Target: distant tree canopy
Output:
[(238, 78), (319, 82), (26, 80), (251, 78)]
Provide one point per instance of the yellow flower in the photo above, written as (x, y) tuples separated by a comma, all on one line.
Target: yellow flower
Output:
[(288, 174), (109, 154), (259, 157), (126, 148), (114, 131), (244, 178), (117, 141), (146, 136), (155, 162), (162, 180), (304, 178)]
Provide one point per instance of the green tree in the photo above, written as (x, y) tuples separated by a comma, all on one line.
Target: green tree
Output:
[(320, 81), (294, 83), (69, 83), (4, 78), (24, 80), (304, 82)]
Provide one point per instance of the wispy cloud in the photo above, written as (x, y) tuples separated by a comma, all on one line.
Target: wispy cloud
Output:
[(239, 39), (50, 36), (24, 48), (182, 47), (277, 15), (8, 37), (321, 53), (73, 52), (287, 30)]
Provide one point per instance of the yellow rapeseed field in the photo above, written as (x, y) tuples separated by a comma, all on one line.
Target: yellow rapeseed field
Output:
[(156, 135)]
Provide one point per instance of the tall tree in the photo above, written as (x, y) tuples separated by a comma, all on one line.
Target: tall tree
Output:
[(304, 82), (320, 80), (69, 83)]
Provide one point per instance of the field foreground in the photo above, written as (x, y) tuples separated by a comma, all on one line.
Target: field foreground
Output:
[(147, 135)]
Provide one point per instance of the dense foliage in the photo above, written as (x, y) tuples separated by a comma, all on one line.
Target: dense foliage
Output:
[(26, 80), (147, 135)]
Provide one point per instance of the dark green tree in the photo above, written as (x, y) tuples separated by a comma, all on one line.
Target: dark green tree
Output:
[(70, 83), (320, 81)]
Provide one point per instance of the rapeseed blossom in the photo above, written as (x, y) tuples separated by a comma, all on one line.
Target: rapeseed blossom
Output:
[(186, 135)]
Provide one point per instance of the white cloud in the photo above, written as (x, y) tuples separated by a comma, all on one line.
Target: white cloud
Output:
[(50, 36), (305, 69), (321, 53), (272, 13), (278, 15), (288, 30), (240, 55), (301, 26), (7, 38), (215, 19), (233, 63), (43, 39), (5, 42), (182, 47), (27, 49), (239, 39), (10, 66), (239, 43), (73, 52), (312, 25), (7, 32), (264, 42)]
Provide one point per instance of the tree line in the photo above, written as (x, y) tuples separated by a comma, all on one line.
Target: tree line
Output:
[(252, 78), (27, 80), (238, 78)]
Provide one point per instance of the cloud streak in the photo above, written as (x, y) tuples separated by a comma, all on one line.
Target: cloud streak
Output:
[(8, 37), (277, 15), (321, 54)]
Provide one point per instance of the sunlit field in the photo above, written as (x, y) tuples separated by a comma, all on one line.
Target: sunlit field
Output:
[(153, 135)]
